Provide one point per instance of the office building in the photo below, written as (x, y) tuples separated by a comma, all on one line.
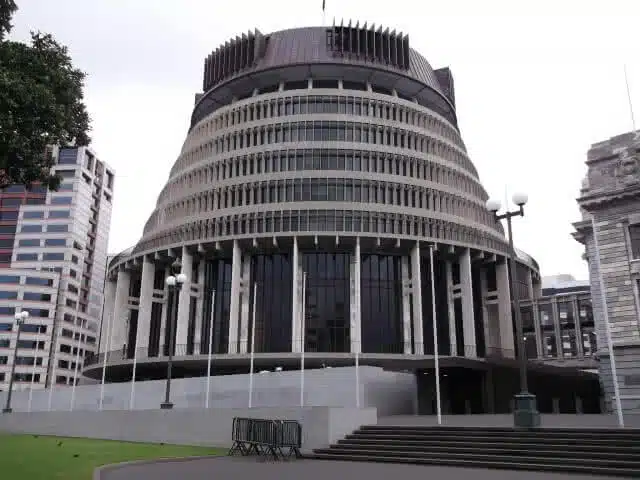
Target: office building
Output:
[(52, 264), (610, 196)]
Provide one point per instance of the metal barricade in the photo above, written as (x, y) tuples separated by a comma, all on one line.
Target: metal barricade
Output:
[(275, 438)]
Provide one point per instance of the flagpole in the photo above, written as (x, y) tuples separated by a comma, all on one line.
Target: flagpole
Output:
[(133, 376), (304, 284), (209, 353), (75, 378), (33, 376), (324, 12), (607, 326), (626, 80), (359, 320), (435, 336), (253, 344), (104, 359)]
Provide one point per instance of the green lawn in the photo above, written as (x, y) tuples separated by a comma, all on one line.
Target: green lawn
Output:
[(32, 457)]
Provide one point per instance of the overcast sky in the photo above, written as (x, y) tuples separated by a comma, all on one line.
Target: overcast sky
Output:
[(537, 82)]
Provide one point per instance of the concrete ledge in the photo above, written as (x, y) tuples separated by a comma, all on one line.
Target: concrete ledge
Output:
[(321, 426)]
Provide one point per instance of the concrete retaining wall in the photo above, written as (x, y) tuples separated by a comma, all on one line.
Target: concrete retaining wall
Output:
[(393, 393), (320, 425)]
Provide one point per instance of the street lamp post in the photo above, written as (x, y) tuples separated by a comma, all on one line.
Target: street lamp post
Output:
[(525, 413), (174, 282), (20, 317)]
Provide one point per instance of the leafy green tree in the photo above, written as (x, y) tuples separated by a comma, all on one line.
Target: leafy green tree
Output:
[(41, 104)]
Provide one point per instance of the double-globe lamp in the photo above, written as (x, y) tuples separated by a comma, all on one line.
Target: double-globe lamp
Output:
[(174, 282), (525, 414)]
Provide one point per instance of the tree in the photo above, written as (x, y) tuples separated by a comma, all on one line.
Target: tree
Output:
[(41, 104)]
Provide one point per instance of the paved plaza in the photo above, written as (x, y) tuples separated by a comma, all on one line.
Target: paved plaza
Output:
[(238, 467)]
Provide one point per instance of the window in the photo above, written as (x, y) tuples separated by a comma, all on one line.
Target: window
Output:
[(53, 257), (36, 297), (6, 327), (57, 228), (4, 295), (29, 242), (65, 187), (45, 282), (8, 229), (59, 214), (30, 328), (11, 202), (68, 156), (33, 214), (26, 257), (13, 279), (61, 200), (37, 312), (634, 237), (7, 310), (4, 343), (31, 228), (55, 242)]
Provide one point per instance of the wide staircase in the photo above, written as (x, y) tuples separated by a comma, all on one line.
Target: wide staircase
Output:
[(600, 451)]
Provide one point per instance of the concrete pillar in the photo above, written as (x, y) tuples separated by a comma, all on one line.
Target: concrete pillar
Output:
[(406, 306), (416, 289), (245, 294), (107, 315), (486, 322), (199, 310), (121, 311), (356, 308), (578, 327), (146, 298), (468, 320), (452, 312), (530, 289), (296, 320), (504, 310), (536, 326), (234, 309), (182, 325), (165, 311), (556, 328)]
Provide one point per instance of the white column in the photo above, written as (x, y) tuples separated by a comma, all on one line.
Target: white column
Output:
[(245, 298), (199, 310), (165, 312), (406, 304), (182, 325), (356, 307), (468, 320), (107, 313), (486, 321), (121, 310), (504, 310), (453, 340), (295, 299), (234, 310), (146, 299), (416, 289)]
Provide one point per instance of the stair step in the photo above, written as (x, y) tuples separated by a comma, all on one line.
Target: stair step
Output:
[(625, 431), (535, 458), (530, 444), (498, 464), (490, 432), (611, 454), (504, 439)]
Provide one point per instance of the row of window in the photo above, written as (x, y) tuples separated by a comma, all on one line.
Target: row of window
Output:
[(6, 202), (30, 296), (313, 104), (47, 256), (36, 242), (324, 221), (15, 280), (326, 131), (336, 190), (39, 228), (33, 312)]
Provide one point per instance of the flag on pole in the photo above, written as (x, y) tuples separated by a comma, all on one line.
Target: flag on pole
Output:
[(323, 4)]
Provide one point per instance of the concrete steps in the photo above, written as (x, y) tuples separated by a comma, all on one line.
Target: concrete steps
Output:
[(587, 451)]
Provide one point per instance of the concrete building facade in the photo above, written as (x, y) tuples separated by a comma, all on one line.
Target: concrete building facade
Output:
[(611, 197), (52, 264)]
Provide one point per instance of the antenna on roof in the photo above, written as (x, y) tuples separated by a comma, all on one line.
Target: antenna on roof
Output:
[(636, 134)]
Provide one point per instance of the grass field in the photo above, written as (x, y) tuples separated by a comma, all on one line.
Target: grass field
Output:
[(31, 457)]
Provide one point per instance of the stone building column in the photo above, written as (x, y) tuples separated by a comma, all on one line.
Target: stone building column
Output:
[(406, 307), (453, 341), (245, 300), (504, 310), (234, 310), (468, 319), (416, 289), (197, 340), (356, 307), (144, 308), (182, 325), (106, 326), (121, 310), (296, 320)]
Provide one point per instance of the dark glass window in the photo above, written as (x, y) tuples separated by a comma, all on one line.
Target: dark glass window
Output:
[(13, 279), (68, 156), (634, 237), (59, 214), (57, 228), (31, 228), (33, 214), (46, 282), (55, 242), (8, 295), (29, 242), (53, 257), (61, 201), (36, 296), (27, 257), (217, 293)]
